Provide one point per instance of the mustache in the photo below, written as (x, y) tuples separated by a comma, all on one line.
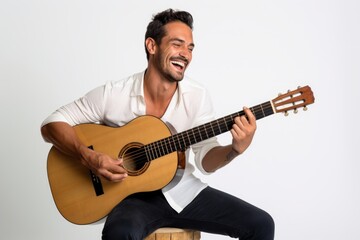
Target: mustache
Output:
[(182, 59)]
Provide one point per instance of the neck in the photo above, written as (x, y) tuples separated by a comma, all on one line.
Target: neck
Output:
[(157, 88), (158, 93)]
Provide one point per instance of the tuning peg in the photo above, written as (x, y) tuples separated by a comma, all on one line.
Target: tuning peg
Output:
[(295, 111), (305, 108), (279, 94), (286, 113), (299, 87)]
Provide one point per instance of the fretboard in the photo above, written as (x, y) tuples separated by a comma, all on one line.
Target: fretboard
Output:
[(181, 141)]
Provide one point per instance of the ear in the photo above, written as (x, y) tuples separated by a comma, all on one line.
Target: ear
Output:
[(150, 45)]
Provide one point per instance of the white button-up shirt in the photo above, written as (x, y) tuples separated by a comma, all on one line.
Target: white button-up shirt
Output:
[(117, 103)]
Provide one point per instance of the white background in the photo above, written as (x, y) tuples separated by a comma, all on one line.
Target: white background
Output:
[(303, 169)]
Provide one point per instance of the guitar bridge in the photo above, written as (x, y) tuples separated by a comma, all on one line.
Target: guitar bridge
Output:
[(96, 184), (96, 181)]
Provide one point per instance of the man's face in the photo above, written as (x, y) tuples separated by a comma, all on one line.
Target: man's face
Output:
[(175, 51)]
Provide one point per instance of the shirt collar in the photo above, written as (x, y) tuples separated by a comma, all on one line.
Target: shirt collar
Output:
[(138, 87)]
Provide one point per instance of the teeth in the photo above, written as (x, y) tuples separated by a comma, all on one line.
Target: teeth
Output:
[(178, 63)]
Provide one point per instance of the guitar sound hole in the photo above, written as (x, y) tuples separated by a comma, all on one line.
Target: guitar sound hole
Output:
[(134, 159)]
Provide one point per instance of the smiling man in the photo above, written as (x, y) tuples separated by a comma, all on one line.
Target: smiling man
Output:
[(163, 91)]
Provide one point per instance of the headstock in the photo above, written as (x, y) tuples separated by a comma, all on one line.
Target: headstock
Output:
[(293, 100)]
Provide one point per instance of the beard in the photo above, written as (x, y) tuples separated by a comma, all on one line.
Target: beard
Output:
[(172, 76), (167, 70)]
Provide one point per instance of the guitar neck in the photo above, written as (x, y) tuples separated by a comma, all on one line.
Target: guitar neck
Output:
[(181, 141)]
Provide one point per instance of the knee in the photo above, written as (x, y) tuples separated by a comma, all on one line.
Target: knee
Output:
[(112, 233), (122, 231), (264, 227)]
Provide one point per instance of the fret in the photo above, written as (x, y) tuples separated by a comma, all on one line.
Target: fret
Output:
[(174, 143), (154, 150), (233, 116), (187, 133), (225, 123), (221, 124), (262, 110), (183, 140), (151, 147), (186, 140), (229, 121), (179, 142), (269, 110), (165, 146), (162, 148), (212, 129), (170, 145), (217, 122), (200, 134), (257, 112), (205, 130), (146, 148), (158, 149), (253, 110), (225, 127), (193, 134)]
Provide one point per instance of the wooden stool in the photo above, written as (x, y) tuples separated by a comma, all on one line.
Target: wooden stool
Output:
[(174, 234)]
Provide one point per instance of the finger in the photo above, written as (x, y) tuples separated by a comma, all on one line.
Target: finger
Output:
[(244, 122), (250, 116), (116, 166), (113, 170), (241, 123), (119, 160), (116, 169), (236, 127), (114, 177), (237, 131)]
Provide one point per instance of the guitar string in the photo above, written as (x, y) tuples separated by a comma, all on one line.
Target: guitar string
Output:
[(158, 150)]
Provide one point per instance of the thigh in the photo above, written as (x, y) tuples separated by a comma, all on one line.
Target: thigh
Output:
[(217, 212), (137, 216)]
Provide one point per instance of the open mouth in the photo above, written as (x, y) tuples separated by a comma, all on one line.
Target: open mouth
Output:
[(178, 65)]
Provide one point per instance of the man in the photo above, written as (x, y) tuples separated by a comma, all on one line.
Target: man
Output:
[(162, 91)]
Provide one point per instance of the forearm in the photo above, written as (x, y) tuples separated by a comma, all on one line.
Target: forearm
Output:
[(242, 132), (64, 138), (218, 157)]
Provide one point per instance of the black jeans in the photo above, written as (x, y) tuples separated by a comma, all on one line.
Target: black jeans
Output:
[(211, 211)]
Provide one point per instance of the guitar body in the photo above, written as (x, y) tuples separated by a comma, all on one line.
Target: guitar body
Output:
[(81, 197)]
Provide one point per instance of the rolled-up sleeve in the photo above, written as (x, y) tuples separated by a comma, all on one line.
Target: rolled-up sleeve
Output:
[(87, 109), (205, 114)]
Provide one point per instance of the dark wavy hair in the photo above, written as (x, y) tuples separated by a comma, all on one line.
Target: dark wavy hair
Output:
[(155, 29)]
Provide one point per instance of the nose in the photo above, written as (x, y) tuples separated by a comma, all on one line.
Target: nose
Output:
[(186, 53)]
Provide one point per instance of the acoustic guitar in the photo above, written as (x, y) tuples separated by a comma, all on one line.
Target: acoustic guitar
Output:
[(149, 151)]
